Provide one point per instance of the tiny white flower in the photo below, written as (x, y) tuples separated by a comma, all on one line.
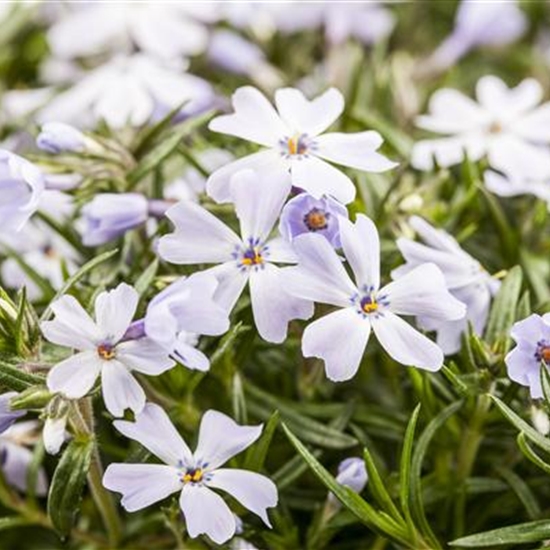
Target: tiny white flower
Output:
[(340, 338), (102, 350), (465, 277), (293, 138), (508, 125), (54, 434), (514, 184), (193, 475)]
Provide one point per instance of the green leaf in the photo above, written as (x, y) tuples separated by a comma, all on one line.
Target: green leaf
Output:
[(530, 432), (145, 280), (503, 312), (68, 483), (256, 455), (545, 382), (86, 268), (16, 379), (530, 454), (405, 467), (534, 531), (12, 522), (522, 491)]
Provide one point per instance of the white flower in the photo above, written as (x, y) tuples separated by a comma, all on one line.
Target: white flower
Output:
[(292, 136), (192, 474), (506, 125), (102, 350), (340, 338), (167, 30), (54, 434), (202, 238), (465, 277), (128, 90), (514, 184)]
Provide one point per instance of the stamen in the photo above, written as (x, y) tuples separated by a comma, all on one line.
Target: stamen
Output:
[(316, 219), (543, 351), (194, 475), (369, 304), (495, 127), (106, 351), (252, 256)]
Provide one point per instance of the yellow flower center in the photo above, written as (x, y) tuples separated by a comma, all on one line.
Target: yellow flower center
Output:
[(106, 351), (193, 476), (252, 256), (369, 304)]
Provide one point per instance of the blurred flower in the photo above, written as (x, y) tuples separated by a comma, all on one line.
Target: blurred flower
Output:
[(353, 474), (514, 184), (101, 351), (540, 420), (182, 311), (465, 277), (128, 90), (479, 24), (194, 474), (506, 125), (340, 338), (7, 416), (21, 188), (532, 336), (292, 137), (58, 137), (201, 238), (165, 30), (305, 214), (16, 459)]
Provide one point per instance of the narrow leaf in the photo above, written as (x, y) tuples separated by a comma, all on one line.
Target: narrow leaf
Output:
[(533, 531)]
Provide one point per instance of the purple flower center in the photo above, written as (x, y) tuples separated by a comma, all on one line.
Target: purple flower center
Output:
[(297, 145), (106, 351), (542, 352), (369, 302), (317, 219), (253, 255), (192, 475)]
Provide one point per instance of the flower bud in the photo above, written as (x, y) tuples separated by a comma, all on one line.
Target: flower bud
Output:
[(58, 137), (7, 415)]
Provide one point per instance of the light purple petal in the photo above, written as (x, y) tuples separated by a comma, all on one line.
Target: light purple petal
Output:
[(144, 355), (114, 311), (121, 390)]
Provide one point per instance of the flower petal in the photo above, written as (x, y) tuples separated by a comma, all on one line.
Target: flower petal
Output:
[(144, 355), (405, 344), (190, 357), (254, 491), (357, 150), (154, 430), (306, 116), (422, 291), (221, 438), (114, 311), (75, 376), (339, 339), (199, 236), (15, 468), (141, 484), (272, 306), (448, 151), (231, 283), (121, 390), (361, 245), (206, 513), (254, 119)]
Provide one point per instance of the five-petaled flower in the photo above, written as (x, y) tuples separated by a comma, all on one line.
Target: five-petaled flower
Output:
[(194, 475), (292, 135), (340, 338), (102, 350)]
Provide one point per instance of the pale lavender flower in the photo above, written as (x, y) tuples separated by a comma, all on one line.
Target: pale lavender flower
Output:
[(58, 137), (292, 139), (21, 188), (182, 311), (16, 458), (532, 336), (7, 416), (353, 474), (479, 24), (340, 338), (102, 352), (306, 214), (193, 475), (465, 277), (201, 238)]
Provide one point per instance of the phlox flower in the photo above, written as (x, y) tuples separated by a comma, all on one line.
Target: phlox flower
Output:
[(340, 338), (523, 363), (201, 238), (353, 474), (7, 416), (193, 475), (514, 184), (465, 277), (505, 124), (293, 138), (102, 350)]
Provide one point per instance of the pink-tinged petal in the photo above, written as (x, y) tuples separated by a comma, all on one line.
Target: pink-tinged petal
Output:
[(144, 355), (254, 119), (114, 311), (206, 513), (15, 468), (272, 306), (356, 150), (422, 291), (405, 344), (120, 389), (75, 376), (361, 245), (142, 484), (320, 275), (339, 339), (311, 117), (258, 200), (199, 236), (319, 178), (154, 430), (254, 491), (72, 326), (190, 357), (221, 438), (218, 185)]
